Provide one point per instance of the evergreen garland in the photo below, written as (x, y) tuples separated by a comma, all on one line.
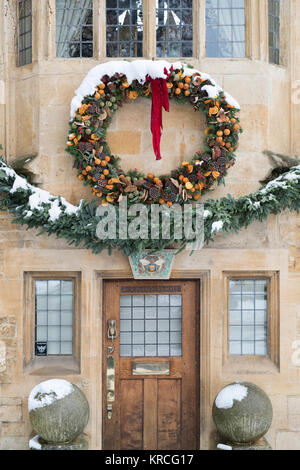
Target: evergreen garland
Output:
[(36, 208)]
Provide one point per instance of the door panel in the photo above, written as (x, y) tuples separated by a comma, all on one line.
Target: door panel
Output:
[(155, 404), (169, 419), (131, 416)]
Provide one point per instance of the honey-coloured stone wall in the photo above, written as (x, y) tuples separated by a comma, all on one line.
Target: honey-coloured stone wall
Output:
[(34, 113)]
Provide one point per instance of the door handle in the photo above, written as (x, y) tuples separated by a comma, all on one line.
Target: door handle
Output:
[(112, 330), (110, 378)]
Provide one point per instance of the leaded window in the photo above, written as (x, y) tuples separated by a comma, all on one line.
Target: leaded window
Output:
[(124, 28), (248, 317), (274, 31), (225, 28), (174, 28), (150, 325), (74, 28), (54, 306), (25, 32)]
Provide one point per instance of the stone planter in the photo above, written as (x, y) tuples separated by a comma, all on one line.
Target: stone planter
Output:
[(58, 411), (242, 413)]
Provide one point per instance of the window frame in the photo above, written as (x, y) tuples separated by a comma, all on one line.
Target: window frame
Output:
[(18, 34), (256, 36), (54, 364), (96, 36), (280, 33), (272, 278), (248, 17), (149, 33)]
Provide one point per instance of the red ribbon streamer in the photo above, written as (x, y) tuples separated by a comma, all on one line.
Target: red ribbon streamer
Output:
[(160, 99)]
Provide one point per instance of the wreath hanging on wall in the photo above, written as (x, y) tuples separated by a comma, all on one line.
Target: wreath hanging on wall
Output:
[(37, 208), (107, 87)]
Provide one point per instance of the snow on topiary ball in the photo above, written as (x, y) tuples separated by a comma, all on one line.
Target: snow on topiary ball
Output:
[(58, 411), (242, 412)]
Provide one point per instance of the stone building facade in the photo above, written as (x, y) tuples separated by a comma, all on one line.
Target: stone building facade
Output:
[(34, 113)]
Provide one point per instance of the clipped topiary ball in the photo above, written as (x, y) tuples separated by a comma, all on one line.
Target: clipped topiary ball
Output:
[(58, 411), (242, 412)]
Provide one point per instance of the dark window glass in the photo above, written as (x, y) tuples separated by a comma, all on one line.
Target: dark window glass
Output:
[(174, 28), (25, 32), (53, 317), (274, 31), (74, 28), (124, 28), (225, 28)]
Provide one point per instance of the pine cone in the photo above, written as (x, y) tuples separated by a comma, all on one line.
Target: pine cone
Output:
[(97, 175), (94, 108), (147, 184), (214, 166), (101, 184), (165, 194), (154, 193), (111, 86), (172, 197), (193, 178), (95, 123), (206, 157), (171, 186), (86, 147), (221, 162)]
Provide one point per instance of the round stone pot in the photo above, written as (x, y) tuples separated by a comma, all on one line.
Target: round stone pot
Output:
[(243, 419), (62, 420)]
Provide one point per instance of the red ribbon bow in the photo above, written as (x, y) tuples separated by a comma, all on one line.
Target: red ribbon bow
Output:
[(160, 99)]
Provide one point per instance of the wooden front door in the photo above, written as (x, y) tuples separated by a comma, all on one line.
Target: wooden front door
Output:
[(151, 368)]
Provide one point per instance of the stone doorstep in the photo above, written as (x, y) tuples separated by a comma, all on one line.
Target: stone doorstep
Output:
[(261, 444)]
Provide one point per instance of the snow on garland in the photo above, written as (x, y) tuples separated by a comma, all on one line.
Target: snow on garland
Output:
[(37, 208), (106, 87)]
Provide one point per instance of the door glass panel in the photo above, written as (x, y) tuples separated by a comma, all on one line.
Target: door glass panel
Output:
[(154, 323)]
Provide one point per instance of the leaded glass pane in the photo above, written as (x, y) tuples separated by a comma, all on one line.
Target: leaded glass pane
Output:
[(124, 28), (225, 28), (153, 328), (274, 31), (248, 317), (25, 32), (74, 28), (53, 317), (174, 28)]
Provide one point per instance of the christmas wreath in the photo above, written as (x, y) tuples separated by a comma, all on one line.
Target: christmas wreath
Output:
[(107, 87)]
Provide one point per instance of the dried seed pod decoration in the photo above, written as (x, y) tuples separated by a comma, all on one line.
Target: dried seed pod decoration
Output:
[(130, 189), (140, 183), (197, 80)]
